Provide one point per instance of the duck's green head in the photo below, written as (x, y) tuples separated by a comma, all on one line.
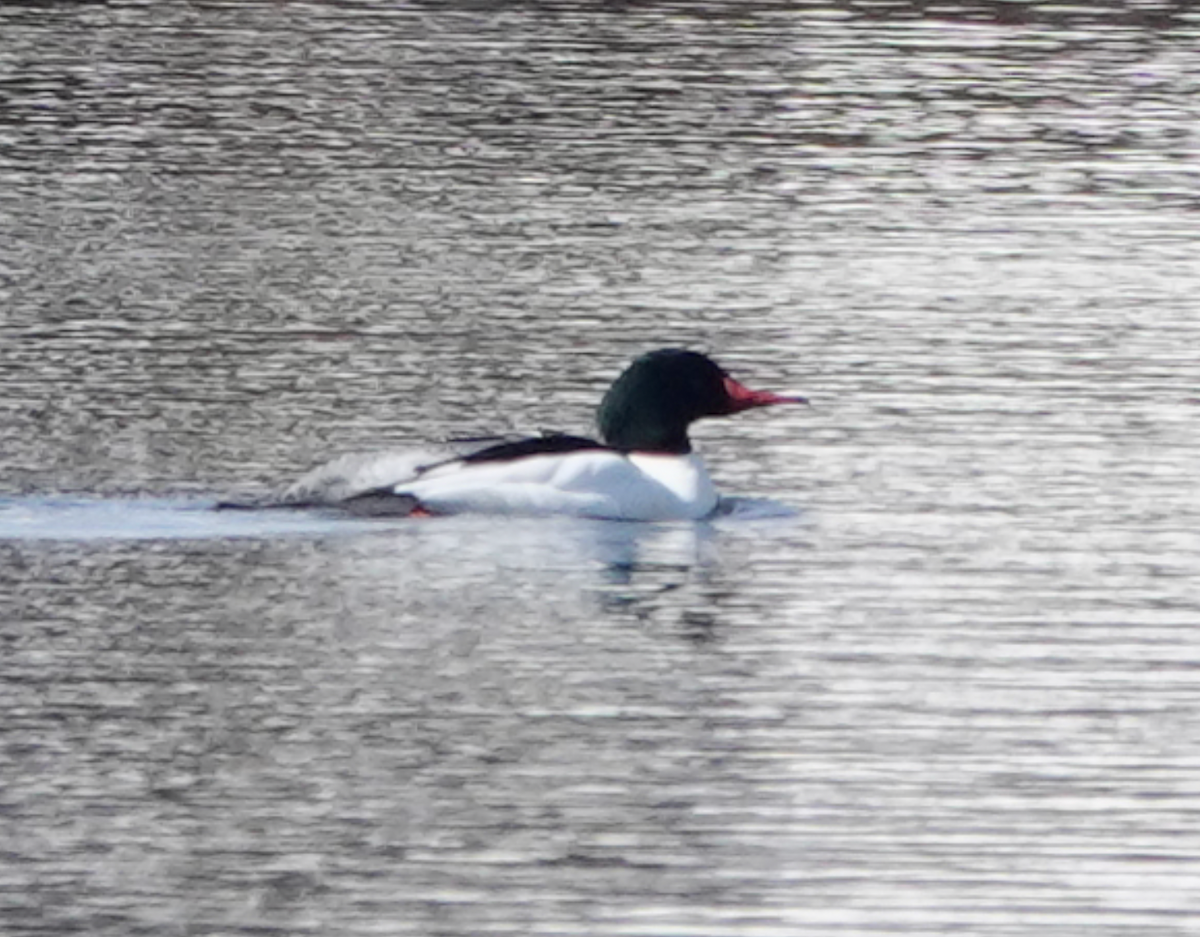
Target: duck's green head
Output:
[(650, 406)]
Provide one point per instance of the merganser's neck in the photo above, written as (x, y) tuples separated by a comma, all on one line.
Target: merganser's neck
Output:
[(633, 428)]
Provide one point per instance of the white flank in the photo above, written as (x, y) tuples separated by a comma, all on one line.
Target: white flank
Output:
[(589, 483)]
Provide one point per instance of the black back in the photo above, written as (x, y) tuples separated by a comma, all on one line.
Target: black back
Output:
[(534, 445)]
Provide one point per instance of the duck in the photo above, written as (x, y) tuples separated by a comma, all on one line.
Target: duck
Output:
[(642, 468)]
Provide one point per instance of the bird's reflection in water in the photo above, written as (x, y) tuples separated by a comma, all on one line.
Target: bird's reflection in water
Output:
[(520, 578), (652, 573), (672, 576)]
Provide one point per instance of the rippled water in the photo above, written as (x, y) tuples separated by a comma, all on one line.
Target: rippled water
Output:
[(936, 675)]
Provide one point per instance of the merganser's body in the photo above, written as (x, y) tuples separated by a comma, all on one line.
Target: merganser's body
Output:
[(643, 470)]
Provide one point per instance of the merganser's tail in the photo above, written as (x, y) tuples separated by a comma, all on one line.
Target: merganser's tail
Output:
[(378, 502)]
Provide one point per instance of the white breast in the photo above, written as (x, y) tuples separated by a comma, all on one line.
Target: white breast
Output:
[(590, 483)]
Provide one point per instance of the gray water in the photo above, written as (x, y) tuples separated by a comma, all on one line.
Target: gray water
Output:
[(935, 673)]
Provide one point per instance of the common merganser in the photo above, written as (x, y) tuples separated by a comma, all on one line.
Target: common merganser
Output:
[(642, 470)]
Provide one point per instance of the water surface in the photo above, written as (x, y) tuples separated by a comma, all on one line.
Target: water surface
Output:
[(946, 684)]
